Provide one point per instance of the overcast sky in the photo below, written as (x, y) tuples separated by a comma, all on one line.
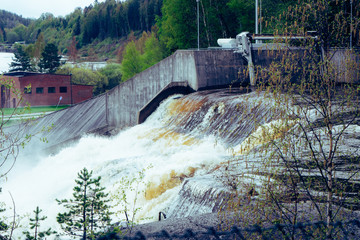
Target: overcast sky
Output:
[(34, 8)]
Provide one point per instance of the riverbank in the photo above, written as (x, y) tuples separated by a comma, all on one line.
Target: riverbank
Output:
[(226, 225)]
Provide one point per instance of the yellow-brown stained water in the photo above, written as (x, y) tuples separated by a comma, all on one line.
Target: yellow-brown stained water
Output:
[(181, 106), (168, 181), (172, 138)]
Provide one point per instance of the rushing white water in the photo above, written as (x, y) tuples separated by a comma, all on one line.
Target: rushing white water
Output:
[(167, 157), (185, 138)]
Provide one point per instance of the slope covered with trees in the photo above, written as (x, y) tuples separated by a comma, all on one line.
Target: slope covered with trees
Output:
[(112, 20), (107, 24), (116, 30)]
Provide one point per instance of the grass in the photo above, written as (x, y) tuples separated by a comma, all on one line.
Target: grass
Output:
[(18, 117), (27, 110)]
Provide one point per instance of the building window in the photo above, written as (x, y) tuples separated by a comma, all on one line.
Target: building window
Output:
[(27, 90), (51, 90), (63, 89), (40, 90)]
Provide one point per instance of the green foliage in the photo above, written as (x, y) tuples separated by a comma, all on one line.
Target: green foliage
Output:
[(177, 27), (246, 20), (330, 19), (88, 214), (3, 225), (177, 21), (11, 20), (50, 60), (140, 55), (153, 52), (112, 72), (35, 226), (131, 63), (12, 37), (178, 24), (126, 187), (86, 77), (21, 61)]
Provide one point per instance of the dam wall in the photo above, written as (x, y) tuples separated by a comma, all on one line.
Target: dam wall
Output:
[(133, 101), (198, 69)]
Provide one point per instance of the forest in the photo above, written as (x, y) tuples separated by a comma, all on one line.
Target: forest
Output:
[(107, 25), (139, 33)]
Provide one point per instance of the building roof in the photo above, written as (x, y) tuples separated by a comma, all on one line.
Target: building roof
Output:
[(20, 74), (24, 74)]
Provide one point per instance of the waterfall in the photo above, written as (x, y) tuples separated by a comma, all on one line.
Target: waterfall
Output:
[(185, 140)]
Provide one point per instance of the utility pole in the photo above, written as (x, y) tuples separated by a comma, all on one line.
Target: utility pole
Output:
[(351, 25), (256, 17), (198, 24)]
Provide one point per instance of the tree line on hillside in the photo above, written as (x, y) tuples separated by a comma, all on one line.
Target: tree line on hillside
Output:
[(152, 29), (108, 24), (99, 21), (137, 55), (10, 20)]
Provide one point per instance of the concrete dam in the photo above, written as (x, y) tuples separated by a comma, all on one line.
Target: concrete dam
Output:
[(133, 101), (179, 147)]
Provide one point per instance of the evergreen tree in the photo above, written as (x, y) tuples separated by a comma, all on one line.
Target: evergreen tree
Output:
[(50, 60), (3, 226), (88, 212), (21, 61), (35, 226)]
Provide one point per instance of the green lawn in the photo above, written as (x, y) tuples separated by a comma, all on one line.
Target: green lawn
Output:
[(9, 111), (21, 113)]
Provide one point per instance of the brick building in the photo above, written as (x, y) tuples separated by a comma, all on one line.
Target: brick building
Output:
[(43, 89)]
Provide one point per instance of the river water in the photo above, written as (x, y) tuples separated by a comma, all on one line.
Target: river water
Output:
[(187, 137), (5, 60)]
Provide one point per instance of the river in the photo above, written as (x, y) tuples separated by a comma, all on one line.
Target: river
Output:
[(5, 60), (185, 138)]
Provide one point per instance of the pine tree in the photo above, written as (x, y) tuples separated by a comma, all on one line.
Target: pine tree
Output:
[(50, 60), (21, 61), (35, 226), (88, 213)]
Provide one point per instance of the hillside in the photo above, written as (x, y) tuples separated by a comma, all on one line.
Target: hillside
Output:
[(101, 30), (10, 20)]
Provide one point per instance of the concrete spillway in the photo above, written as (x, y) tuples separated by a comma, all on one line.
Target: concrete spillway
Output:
[(133, 101)]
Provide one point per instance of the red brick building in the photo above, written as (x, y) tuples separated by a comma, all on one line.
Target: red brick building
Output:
[(43, 89)]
